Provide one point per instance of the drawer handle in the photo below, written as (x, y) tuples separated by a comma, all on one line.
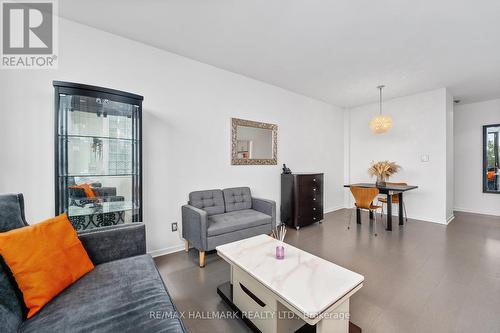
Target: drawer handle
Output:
[(314, 179), (314, 199), (314, 189), (314, 218), (252, 295), (314, 208)]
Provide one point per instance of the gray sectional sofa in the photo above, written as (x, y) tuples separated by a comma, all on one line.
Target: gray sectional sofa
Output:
[(124, 292), (216, 217)]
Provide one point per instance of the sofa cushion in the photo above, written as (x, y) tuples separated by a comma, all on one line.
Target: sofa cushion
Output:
[(45, 259), (125, 295), (11, 212), (104, 191), (237, 198), (210, 201), (87, 190), (236, 220), (11, 303)]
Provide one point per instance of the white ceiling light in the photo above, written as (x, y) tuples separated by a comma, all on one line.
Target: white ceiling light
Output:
[(381, 124)]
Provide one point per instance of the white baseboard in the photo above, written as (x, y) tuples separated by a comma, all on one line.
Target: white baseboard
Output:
[(180, 247), (329, 210), (167, 250), (413, 217), (427, 219), (465, 210)]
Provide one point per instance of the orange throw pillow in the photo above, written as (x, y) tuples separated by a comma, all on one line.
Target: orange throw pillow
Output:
[(44, 258), (89, 193)]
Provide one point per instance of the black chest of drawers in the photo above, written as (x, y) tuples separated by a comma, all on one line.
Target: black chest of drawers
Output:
[(301, 199)]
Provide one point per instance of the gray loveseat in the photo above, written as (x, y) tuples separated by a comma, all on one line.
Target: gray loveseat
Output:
[(124, 292), (215, 217)]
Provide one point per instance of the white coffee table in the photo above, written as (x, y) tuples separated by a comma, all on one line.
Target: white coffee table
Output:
[(277, 296)]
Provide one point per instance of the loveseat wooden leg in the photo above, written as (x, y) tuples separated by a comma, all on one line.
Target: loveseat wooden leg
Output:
[(186, 245), (202, 259)]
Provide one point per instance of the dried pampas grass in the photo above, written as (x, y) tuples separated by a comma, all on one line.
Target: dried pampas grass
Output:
[(383, 169)]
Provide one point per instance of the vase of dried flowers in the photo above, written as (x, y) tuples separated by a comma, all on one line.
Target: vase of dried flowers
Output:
[(383, 170)]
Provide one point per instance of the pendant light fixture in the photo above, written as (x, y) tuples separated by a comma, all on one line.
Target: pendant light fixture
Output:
[(381, 124)]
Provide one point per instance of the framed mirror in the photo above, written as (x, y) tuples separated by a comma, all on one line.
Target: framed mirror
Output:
[(491, 165), (253, 143)]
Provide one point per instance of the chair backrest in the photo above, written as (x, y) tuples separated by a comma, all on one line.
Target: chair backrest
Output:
[(237, 198), (210, 201), (395, 198), (397, 184), (364, 196), (11, 302)]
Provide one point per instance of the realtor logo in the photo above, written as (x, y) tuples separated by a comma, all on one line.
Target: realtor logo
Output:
[(28, 34)]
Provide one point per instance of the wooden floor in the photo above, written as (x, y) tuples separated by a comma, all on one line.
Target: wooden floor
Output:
[(423, 277)]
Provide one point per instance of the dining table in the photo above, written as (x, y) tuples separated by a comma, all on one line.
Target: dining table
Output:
[(390, 191)]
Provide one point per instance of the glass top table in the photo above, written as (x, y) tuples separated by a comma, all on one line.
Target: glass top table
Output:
[(101, 208)]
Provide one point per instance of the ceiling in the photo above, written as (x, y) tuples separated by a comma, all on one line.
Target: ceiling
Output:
[(334, 51)]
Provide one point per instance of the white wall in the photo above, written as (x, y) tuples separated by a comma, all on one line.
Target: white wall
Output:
[(419, 128), (450, 163), (187, 111), (469, 121)]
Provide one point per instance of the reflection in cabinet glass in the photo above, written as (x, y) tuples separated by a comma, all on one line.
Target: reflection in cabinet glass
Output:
[(98, 155)]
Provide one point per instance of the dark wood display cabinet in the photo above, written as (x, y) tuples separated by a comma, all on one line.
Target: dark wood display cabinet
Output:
[(301, 199), (98, 154)]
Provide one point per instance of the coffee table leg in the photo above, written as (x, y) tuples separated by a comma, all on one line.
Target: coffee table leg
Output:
[(358, 216), (336, 321), (389, 212)]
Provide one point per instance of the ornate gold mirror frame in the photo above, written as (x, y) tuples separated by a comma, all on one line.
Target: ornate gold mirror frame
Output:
[(235, 122)]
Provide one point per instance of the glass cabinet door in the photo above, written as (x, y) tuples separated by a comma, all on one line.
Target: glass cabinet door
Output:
[(98, 156)]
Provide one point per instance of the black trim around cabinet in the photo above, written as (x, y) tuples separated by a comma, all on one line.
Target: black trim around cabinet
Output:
[(56, 152), (71, 88), (485, 159), (100, 90)]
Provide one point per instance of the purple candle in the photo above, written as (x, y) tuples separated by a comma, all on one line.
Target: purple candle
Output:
[(280, 252)]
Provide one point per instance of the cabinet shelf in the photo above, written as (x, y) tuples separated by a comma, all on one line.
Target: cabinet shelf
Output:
[(78, 136), (100, 175)]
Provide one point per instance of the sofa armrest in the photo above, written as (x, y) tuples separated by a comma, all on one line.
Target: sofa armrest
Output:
[(114, 242), (265, 206), (194, 226), (104, 191)]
